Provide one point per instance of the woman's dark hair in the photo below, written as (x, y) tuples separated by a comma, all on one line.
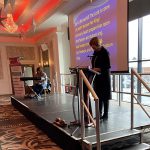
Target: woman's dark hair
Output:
[(38, 69)]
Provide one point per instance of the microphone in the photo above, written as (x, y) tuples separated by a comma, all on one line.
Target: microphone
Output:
[(90, 56)]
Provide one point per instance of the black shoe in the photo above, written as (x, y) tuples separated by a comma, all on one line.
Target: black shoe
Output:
[(95, 116), (104, 117)]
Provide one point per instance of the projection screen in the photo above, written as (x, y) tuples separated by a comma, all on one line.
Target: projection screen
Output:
[(107, 19)]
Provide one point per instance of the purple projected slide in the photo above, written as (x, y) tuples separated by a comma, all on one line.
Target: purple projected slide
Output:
[(100, 18)]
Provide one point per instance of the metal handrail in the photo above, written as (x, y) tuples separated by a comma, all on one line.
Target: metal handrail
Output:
[(134, 73), (83, 105), (130, 93), (96, 98), (88, 85), (140, 79)]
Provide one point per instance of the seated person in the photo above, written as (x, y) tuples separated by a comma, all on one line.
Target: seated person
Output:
[(40, 84)]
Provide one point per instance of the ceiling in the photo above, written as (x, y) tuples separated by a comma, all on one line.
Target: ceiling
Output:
[(35, 17)]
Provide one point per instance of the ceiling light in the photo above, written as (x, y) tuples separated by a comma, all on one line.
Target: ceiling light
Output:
[(10, 25)]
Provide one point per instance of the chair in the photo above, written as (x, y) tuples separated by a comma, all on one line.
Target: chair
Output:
[(47, 90)]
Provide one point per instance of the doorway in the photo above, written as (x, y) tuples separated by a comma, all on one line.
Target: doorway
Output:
[(28, 72)]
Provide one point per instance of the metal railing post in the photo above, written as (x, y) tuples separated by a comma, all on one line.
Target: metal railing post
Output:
[(97, 124), (132, 100), (119, 92), (81, 107)]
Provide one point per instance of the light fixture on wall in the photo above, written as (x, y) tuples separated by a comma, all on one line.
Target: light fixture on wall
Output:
[(45, 64), (10, 25)]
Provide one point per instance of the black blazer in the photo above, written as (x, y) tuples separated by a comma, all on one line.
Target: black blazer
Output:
[(101, 83)]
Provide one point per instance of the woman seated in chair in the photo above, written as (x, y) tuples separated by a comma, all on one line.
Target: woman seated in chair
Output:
[(40, 85)]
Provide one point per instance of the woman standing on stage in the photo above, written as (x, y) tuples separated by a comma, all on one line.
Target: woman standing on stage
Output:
[(101, 63)]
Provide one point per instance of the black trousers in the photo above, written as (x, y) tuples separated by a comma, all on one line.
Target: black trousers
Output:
[(38, 88), (103, 107), (102, 87)]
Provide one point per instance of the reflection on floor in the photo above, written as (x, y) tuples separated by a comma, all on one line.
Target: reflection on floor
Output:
[(17, 133)]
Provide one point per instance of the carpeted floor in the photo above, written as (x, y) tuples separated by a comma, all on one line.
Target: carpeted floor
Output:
[(17, 133)]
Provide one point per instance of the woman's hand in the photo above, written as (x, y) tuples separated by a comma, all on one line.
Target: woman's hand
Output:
[(97, 69)]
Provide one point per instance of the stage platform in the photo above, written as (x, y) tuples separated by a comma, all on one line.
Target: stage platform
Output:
[(43, 113)]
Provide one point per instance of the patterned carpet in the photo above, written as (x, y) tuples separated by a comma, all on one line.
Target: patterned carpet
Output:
[(17, 133)]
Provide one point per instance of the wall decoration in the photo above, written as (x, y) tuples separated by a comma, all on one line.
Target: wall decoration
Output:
[(16, 73), (27, 53)]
